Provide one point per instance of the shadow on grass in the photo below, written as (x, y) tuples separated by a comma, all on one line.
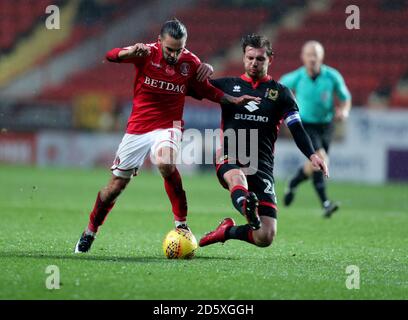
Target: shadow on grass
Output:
[(90, 257)]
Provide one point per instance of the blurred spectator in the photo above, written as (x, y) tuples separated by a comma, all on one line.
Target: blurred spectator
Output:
[(394, 4), (91, 12), (379, 98), (399, 96), (262, 3)]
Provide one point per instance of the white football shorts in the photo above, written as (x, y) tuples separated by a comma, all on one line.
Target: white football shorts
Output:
[(134, 149)]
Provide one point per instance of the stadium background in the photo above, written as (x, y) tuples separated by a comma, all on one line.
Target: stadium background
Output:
[(63, 109), (58, 93)]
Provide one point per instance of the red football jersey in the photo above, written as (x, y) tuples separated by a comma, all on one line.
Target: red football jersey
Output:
[(160, 89)]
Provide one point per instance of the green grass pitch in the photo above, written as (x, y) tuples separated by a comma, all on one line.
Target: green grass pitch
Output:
[(43, 212)]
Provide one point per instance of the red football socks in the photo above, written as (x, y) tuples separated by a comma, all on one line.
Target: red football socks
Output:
[(177, 196), (99, 214)]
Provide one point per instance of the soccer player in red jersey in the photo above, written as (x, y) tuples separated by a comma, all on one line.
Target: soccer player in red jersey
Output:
[(165, 70)]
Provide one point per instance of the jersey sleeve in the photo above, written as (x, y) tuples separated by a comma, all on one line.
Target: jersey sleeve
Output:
[(302, 139), (194, 91), (202, 89), (340, 87), (113, 56), (290, 113), (218, 83), (290, 79), (205, 90), (289, 107)]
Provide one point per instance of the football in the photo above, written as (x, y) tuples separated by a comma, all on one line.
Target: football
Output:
[(179, 244)]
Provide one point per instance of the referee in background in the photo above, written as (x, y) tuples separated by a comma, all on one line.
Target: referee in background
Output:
[(315, 86)]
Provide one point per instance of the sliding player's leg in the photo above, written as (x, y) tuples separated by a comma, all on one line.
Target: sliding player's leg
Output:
[(260, 184), (228, 230), (233, 178), (244, 201)]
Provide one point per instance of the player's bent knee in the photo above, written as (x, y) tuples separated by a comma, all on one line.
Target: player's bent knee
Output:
[(235, 177), (265, 239), (239, 178)]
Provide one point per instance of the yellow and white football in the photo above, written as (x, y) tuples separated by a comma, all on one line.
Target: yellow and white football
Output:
[(179, 244)]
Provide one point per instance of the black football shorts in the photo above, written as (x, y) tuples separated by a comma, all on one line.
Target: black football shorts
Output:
[(320, 134), (261, 183)]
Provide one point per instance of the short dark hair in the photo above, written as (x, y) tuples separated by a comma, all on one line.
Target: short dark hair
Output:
[(174, 28), (257, 41)]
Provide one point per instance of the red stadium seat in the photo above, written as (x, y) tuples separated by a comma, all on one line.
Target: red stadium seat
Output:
[(18, 17), (364, 56), (119, 78)]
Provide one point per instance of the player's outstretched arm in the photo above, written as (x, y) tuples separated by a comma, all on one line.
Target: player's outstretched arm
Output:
[(204, 71), (137, 50), (242, 100), (128, 54), (204, 89)]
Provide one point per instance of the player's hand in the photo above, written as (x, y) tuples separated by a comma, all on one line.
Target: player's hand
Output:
[(319, 164), (139, 50), (204, 71), (341, 114), (242, 100)]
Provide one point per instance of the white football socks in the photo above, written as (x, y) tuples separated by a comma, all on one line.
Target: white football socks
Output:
[(180, 223)]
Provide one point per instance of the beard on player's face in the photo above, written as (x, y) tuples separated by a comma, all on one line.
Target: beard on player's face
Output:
[(172, 48), (256, 62), (257, 70), (170, 59)]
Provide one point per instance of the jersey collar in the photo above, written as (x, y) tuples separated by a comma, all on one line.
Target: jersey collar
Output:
[(255, 84)]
